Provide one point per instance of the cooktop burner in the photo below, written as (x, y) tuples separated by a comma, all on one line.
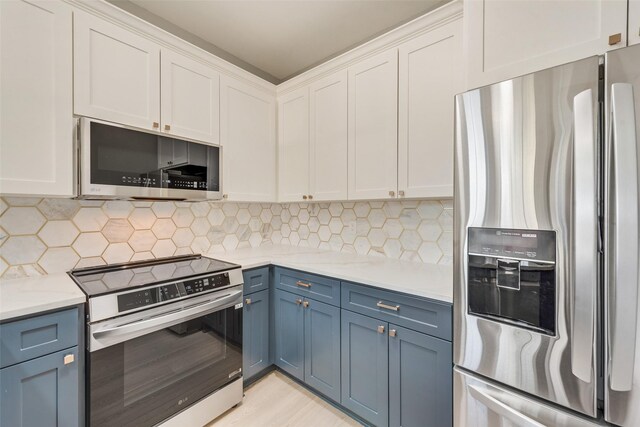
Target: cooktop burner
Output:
[(106, 279)]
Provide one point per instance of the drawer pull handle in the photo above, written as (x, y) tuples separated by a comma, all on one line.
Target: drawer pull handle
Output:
[(304, 285), (388, 307), (68, 359)]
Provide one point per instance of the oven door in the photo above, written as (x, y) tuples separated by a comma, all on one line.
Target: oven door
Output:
[(146, 367)]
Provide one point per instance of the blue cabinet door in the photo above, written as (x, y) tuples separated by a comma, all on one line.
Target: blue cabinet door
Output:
[(41, 392), (322, 348), (255, 333), (289, 333), (365, 367), (420, 379)]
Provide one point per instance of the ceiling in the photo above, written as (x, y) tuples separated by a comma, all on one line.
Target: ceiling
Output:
[(277, 39)]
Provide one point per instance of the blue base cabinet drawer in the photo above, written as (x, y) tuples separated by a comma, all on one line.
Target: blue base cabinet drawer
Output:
[(319, 288), (41, 392), (255, 280), (420, 379), (37, 336), (422, 315), (255, 334)]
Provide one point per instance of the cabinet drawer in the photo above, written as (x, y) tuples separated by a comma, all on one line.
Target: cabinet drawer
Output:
[(30, 338), (415, 313), (309, 285), (256, 279)]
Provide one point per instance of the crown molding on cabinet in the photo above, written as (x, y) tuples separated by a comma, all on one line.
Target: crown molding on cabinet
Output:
[(423, 24), (132, 23)]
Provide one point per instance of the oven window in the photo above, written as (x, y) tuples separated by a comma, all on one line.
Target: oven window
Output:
[(132, 158), (148, 379)]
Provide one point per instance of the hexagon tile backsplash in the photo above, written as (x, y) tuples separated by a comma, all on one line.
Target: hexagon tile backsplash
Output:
[(40, 236)]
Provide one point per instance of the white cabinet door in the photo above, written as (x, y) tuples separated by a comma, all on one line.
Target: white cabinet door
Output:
[(247, 131), (36, 98), (116, 73), (506, 38), (430, 75), (293, 146), (634, 22), (190, 98), (328, 145), (373, 126)]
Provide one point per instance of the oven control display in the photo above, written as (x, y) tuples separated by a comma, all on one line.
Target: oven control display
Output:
[(142, 298)]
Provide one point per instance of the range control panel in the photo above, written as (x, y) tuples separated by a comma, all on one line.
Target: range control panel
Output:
[(149, 296)]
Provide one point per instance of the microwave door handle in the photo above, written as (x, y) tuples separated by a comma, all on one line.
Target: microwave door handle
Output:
[(623, 222), (502, 409), (121, 333), (585, 242)]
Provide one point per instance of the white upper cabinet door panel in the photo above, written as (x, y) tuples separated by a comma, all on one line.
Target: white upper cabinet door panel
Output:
[(247, 130), (430, 75), (293, 146), (373, 127), (507, 38), (116, 73), (634, 22), (328, 145), (190, 98), (36, 98)]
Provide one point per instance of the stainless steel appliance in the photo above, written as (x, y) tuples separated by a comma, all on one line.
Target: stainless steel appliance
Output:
[(546, 247), (164, 341), (119, 162)]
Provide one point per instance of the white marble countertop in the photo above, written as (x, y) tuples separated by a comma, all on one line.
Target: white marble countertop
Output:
[(32, 295), (426, 280)]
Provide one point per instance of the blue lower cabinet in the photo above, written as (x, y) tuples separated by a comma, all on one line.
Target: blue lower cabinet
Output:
[(365, 367), (322, 348), (289, 333), (41, 392), (420, 379), (255, 334)]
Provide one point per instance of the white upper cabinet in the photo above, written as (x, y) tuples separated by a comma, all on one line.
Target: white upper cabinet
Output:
[(430, 75), (116, 73), (634, 22), (328, 143), (190, 98), (247, 131), (36, 98), (293, 146), (506, 38), (373, 127)]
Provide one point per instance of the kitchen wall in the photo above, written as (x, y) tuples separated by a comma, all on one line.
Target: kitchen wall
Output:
[(40, 236)]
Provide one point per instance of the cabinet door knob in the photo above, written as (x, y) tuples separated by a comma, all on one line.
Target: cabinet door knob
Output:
[(299, 301), (381, 329), (401, 193), (68, 359), (393, 332), (392, 193), (247, 301), (167, 127), (225, 196), (304, 197), (305, 304), (615, 39), (310, 197), (156, 125)]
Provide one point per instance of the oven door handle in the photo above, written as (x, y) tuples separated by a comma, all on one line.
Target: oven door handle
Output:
[(110, 336)]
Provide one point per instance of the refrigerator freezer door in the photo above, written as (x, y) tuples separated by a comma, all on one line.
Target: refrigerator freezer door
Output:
[(526, 158), (622, 358), (481, 403)]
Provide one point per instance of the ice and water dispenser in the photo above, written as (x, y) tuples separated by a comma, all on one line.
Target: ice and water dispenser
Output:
[(512, 277)]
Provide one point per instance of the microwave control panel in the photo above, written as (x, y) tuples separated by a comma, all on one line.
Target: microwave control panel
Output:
[(161, 293)]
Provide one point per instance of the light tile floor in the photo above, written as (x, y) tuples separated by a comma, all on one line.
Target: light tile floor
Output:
[(276, 400)]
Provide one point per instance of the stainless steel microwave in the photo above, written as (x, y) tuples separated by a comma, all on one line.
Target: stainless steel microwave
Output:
[(120, 162)]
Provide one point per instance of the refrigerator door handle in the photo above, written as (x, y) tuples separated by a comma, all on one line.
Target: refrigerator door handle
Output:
[(585, 236), (623, 222), (501, 408)]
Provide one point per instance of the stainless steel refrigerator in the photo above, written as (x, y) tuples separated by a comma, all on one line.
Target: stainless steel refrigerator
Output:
[(546, 247)]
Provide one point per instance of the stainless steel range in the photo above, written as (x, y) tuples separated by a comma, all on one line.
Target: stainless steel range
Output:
[(164, 341)]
